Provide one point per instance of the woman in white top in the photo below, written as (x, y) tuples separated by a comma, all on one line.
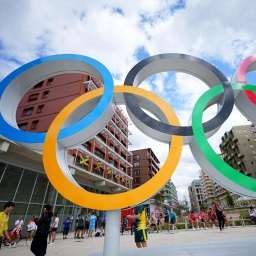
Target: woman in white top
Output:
[(30, 231), (54, 228)]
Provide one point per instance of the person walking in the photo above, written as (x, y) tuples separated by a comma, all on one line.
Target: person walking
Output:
[(4, 218), (39, 243), (140, 232), (219, 215)]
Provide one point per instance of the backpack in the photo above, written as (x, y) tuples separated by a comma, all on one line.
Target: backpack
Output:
[(97, 234)]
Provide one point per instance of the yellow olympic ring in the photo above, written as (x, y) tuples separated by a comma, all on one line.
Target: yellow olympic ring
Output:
[(78, 195)]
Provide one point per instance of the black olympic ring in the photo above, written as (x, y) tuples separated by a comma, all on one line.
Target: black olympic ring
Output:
[(186, 64)]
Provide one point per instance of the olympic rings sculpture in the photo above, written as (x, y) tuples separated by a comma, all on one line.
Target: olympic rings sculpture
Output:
[(87, 115)]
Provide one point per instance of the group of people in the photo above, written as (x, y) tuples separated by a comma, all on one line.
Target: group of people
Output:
[(86, 225), (215, 215), (45, 226)]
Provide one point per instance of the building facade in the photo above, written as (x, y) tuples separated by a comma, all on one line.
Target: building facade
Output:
[(238, 149), (100, 165), (145, 166), (169, 194), (195, 193)]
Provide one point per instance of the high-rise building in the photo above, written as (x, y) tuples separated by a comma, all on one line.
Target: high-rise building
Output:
[(195, 195), (169, 194), (101, 165), (103, 161), (145, 166), (238, 149)]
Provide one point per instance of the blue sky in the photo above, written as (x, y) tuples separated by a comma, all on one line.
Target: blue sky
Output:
[(121, 33)]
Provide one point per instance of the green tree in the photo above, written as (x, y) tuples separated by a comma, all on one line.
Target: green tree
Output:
[(229, 199)]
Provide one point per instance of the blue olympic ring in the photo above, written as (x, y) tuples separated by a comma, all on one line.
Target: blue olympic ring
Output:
[(14, 81)]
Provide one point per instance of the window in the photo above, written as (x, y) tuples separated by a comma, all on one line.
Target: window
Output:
[(34, 125), (99, 154), (23, 126), (111, 161), (136, 157), (38, 85), (45, 94), (136, 164), (50, 81), (40, 109), (33, 97), (27, 111), (136, 172), (137, 180)]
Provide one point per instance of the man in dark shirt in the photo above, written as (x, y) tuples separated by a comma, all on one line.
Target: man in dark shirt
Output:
[(39, 243)]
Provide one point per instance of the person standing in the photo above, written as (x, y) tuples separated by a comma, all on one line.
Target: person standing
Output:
[(4, 218), (54, 228), (140, 226), (219, 215), (124, 224), (80, 226), (30, 231), (66, 226), (173, 220), (93, 219), (103, 223), (39, 243), (167, 220)]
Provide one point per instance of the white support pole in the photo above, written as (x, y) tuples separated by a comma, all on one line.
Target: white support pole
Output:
[(112, 233)]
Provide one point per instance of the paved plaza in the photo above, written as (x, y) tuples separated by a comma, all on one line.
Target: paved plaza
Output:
[(232, 242)]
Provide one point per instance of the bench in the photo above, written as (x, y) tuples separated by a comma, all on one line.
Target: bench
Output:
[(235, 217)]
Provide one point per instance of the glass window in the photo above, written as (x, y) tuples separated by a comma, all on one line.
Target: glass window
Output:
[(40, 109), (35, 209), (45, 95), (23, 126), (34, 125), (10, 182), (68, 210), (40, 84), (60, 199), (69, 203), (136, 164), (26, 186), (136, 157), (19, 209), (33, 97), (2, 168), (40, 188), (136, 172), (27, 111), (58, 210), (50, 195)]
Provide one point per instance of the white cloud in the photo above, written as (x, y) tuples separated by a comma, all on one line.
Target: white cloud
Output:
[(111, 32)]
